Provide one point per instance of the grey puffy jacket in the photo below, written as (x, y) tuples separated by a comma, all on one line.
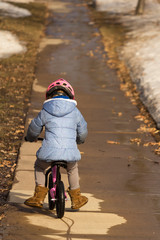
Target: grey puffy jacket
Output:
[(64, 128)]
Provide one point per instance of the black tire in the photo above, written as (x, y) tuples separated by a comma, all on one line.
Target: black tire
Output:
[(50, 202), (60, 200)]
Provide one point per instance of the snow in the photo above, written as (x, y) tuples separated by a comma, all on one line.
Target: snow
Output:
[(9, 43), (7, 9), (141, 51), (118, 6)]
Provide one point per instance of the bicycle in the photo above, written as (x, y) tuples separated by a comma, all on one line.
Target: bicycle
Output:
[(56, 193)]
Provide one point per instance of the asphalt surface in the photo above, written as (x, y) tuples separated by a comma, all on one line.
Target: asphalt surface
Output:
[(120, 178)]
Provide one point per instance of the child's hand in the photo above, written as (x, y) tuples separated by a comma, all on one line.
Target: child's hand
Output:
[(25, 138)]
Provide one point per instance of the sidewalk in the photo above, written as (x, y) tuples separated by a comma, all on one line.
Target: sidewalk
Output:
[(120, 178)]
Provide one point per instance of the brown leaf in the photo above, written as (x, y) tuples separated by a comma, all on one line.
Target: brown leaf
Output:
[(135, 140), (112, 142)]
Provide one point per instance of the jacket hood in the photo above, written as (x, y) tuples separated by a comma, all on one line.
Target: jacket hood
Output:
[(59, 107)]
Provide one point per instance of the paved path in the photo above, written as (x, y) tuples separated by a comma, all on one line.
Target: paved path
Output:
[(121, 180)]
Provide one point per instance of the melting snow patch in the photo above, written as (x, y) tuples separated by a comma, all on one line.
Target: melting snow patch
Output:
[(116, 6), (141, 49), (7, 9), (9, 44)]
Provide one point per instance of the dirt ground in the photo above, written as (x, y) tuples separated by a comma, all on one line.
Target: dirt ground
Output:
[(17, 75)]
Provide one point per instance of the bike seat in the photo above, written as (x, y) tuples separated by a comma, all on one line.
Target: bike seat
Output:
[(59, 163)]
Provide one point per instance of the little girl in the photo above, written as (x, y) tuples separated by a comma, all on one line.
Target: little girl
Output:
[(64, 128)]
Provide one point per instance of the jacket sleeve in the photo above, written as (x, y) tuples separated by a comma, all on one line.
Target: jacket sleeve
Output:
[(35, 128), (81, 129)]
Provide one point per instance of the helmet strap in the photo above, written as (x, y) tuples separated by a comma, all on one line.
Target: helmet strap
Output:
[(57, 93)]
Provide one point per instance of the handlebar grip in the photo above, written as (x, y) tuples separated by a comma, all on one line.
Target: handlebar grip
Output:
[(25, 138)]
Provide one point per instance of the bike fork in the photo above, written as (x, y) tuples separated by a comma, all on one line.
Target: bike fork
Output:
[(54, 177)]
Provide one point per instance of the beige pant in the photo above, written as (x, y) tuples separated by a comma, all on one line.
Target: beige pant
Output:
[(72, 171)]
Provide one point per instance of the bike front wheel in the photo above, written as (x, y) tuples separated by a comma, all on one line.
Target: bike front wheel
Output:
[(51, 202), (60, 200)]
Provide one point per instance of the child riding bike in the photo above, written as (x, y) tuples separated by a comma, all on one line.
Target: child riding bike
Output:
[(65, 127)]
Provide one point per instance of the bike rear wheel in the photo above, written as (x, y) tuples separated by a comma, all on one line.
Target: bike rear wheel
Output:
[(51, 203), (60, 200)]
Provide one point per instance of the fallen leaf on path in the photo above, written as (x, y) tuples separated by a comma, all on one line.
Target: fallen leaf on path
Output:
[(139, 117), (157, 151), (2, 216), (113, 142), (135, 140), (151, 144), (96, 34), (119, 114), (145, 129), (91, 54)]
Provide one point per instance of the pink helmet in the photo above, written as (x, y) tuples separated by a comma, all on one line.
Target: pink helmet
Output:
[(60, 84)]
